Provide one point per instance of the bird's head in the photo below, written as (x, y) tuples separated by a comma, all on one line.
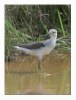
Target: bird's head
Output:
[(52, 32)]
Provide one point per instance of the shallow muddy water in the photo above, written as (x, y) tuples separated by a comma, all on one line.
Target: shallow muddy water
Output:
[(22, 76)]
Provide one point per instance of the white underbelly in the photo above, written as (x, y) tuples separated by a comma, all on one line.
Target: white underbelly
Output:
[(46, 50), (42, 51)]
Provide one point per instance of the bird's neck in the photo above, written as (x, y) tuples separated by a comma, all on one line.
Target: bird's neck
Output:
[(53, 38), (52, 41)]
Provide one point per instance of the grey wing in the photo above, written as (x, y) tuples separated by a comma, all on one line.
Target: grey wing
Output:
[(36, 45)]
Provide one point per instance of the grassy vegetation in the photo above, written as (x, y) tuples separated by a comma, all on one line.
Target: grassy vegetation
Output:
[(28, 23)]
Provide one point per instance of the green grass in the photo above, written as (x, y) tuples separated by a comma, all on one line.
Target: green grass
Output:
[(61, 23), (28, 23)]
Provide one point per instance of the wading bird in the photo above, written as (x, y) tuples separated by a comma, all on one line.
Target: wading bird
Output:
[(40, 48)]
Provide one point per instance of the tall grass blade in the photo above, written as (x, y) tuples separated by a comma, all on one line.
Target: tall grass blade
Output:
[(61, 23)]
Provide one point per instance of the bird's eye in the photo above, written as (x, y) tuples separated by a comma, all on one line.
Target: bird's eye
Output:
[(53, 32)]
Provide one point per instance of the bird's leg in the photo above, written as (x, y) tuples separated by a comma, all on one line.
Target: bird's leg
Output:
[(39, 66)]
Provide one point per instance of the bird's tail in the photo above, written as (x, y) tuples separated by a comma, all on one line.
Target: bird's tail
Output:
[(27, 51)]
